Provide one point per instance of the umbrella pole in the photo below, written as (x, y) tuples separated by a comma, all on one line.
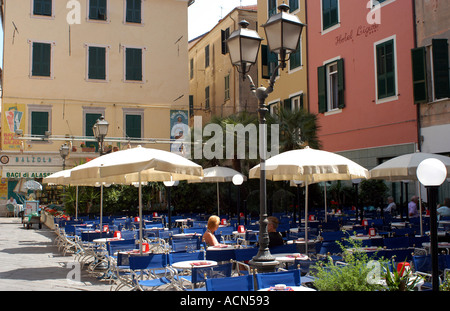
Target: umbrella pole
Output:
[(420, 209), (140, 214), (218, 214), (101, 209), (76, 203), (306, 217), (325, 191)]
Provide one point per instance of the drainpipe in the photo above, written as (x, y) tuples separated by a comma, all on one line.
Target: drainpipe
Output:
[(419, 124)]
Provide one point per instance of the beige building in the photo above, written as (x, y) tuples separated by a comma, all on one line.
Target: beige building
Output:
[(66, 63), (215, 87), (291, 86)]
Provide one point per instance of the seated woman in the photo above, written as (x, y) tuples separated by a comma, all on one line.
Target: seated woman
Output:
[(208, 237)]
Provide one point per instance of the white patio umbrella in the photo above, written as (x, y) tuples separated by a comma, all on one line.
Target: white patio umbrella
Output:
[(218, 174), (138, 165), (404, 167), (310, 166)]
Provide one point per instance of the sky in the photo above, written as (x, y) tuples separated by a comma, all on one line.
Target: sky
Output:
[(203, 15)]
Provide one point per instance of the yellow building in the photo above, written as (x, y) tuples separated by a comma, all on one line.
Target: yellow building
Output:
[(215, 86), (66, 63), (290, 88)]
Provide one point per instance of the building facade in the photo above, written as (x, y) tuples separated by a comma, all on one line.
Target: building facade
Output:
[(291, 86), (66, 63), (215, 86), (360, 77)]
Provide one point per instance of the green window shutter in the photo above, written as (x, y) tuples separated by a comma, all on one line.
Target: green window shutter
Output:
[(133, 11), (191, 105), (207, 56), (287, 105), (42, 7), (91, 118), (133, 125), (97, 9), (41, 59), (265, 61), (272, 7), (207, 98), (341, 83), (386, 69), (97, 63), (39, 122), (295, 59), (133, 64), (301, 101), (419, 71), (225, 34), (440, 68), (293, 5), (329, 13), (322, 88)]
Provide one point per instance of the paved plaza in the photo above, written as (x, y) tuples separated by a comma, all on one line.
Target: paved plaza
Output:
[(29, 261)]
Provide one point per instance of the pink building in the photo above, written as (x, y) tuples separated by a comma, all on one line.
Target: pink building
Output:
[(360, 77)]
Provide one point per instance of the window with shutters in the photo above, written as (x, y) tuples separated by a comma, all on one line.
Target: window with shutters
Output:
[(207, 104), (269, 62), (90, 117), (297, 102), (271, 7), (207, 56), (133, 125), (97, 59), (191, 69), (41, 59), (42, 7), (225, 34), (191, 105), (133, 64), (430, 71), (331, 86), (293, 5), (227, 87), (98, 10), (39, 122), (133, 11), (295, 59), (330, 14), (385, 58)]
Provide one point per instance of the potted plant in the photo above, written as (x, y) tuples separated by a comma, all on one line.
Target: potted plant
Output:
[(403, 280)]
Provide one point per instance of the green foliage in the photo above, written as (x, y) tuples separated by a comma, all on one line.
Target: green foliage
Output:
[(400, 282), (351, 275), (373, 192)]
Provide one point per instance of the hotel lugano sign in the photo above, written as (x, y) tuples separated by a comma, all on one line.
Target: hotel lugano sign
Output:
[(29, 166)]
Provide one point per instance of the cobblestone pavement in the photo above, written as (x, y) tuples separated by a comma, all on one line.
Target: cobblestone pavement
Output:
[(29, 261)]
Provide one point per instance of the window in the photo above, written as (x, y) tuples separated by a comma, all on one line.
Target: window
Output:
[(133, 11), (133, 126), (98, 10), (96, 63), (191, 105), (42, 7), (207, 98), (330, 13), (331, 86), (133, 64), (385, 69), (225, 34), (39, 122), (430, 71), (89, 120), (295, 59), (272, 7), (227, 87), (297, 102), (191, 68), (269, 62), (207, 56), (293, 5), (41, 59)]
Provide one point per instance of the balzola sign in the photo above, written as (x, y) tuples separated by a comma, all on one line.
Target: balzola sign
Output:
[(30, 160)]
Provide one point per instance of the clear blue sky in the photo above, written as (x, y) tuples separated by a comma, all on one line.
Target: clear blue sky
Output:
[(203, 16)]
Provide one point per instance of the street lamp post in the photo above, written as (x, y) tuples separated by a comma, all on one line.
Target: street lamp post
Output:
[(432, 173), (283, 32), (100, 130), (237, 181), (64, 152), (169, 185)]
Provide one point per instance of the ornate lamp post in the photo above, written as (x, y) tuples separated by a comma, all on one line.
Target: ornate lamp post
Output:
[(283, 32), (64, 152), (100, 130), (432, 173)]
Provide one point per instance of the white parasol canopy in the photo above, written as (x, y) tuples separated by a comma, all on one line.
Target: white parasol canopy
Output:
[(218, 174), (310, 166)]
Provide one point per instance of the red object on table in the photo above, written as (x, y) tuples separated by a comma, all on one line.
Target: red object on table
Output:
[(364, 222), (118, 234), (372, 232), (145, 247), (403, 267), (241, 229), (105, 228)]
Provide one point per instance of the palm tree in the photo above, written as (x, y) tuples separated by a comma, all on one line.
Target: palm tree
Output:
[(298, 128)]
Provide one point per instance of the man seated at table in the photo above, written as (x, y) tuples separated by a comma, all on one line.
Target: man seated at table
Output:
[(444, 210), (275, 238)]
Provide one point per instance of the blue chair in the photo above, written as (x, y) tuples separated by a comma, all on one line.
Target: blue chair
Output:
[(289, 278), (200, 274), (287, 248), (185, 245), (396, 242), (220, 254), (151, 265), (237, 283)]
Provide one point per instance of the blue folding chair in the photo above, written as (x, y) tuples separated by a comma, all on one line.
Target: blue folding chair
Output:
[(237, 283), (150, 271), (185, 245), (289, 278), (200, 274)]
